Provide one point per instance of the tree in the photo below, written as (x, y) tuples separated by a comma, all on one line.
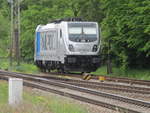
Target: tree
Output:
[(43, 11), (4, 29), (127, 25)]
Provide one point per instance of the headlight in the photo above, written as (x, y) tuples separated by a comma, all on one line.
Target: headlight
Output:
[(94, 48), (71, 48)]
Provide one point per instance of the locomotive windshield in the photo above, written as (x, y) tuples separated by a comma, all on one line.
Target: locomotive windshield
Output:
[(79, 32)]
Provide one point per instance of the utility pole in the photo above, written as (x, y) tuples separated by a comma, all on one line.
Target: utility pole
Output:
[(11, 34), (109, 65), (15, 31), (19, 30)]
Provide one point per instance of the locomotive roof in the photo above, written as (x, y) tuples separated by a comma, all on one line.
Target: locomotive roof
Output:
[(53, 25)]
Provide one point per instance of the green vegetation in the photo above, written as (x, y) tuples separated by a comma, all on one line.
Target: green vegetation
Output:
[(36, 103), (23, 67), (4, 29), (124, 23), (56, 104), (26, 68), (4, 64), (127, 27), (141, 74), (3, 93)]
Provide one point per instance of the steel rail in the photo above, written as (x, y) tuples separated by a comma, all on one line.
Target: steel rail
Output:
[(112, 87), (86, 90), (130, 81), (84, 99), (109, 78), (96, 85), (80, 98), (128, 88)]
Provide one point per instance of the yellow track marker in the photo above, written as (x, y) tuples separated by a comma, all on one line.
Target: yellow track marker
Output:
[(87, 77), (67, 77), (102, 78)]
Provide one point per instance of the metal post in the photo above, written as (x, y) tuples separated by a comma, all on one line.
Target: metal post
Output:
[(18, 33), (11, 37), (109, 66), (15, 31)]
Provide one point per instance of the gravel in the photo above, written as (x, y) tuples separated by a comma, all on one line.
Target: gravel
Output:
[(89, 107)]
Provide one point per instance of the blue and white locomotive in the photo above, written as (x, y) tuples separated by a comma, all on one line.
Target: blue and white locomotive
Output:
[(68, 45)]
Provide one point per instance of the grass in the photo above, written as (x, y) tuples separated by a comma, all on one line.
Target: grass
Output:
[(4, 64), (66, 107), (100, 71), (3, 93), (142, 74), (23, 67), (26, 68), (34, 102), (55, 104)]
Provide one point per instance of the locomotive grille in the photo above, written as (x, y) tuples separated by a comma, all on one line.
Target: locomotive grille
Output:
[(83, 48)]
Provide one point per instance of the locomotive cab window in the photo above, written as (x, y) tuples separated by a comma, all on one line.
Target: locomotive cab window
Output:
[(79, 32)]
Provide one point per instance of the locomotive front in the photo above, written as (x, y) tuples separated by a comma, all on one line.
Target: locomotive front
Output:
[(83, 46)]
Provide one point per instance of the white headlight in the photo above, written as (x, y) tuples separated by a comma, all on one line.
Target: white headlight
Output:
[(71, 48)]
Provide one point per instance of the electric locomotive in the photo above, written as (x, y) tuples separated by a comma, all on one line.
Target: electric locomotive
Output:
[(68, 45)]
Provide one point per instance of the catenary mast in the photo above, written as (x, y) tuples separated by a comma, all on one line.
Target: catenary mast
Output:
[(15, 31)]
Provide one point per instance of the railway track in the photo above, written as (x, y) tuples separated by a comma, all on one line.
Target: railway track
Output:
[(108, 86), (109, 78), (94, 85), (102, 85), (46, 84)]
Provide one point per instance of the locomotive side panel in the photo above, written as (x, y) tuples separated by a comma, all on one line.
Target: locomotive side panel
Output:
[(47, 45), (37, 46)]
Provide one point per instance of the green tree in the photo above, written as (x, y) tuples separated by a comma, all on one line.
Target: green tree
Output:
[(127, 26), (43, 11), (32, 17), (4, 29)]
